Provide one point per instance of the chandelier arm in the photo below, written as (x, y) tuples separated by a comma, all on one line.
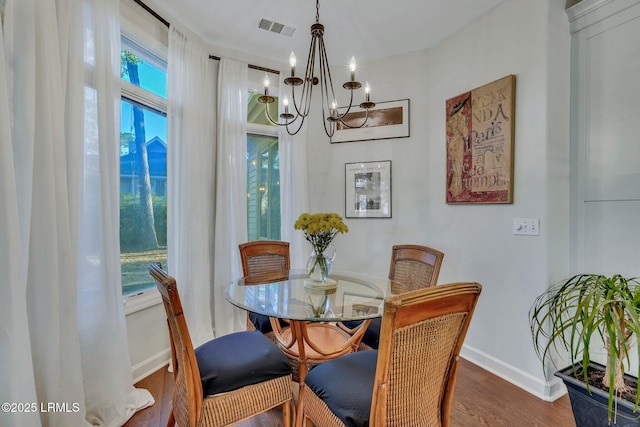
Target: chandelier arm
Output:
[(325, 75), (309, 75), (299, 127), (327, 110), (266, 109), (303, 108), (339, 117), (290, 119), (331, 123), (299, 106), (326, 121), (328, 93), (295, 104), (364, 122), (336, 116)]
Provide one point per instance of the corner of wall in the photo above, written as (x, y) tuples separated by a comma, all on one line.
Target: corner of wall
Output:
[(570, 3), (150, 365)]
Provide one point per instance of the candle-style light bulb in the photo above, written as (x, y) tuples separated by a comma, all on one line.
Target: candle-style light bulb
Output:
[(285, 102), (352, 68), (292, 63), (367, 90), (266, 84), (334, 112)]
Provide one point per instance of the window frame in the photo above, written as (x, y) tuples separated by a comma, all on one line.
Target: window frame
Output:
[(131, 93), (259, 182)]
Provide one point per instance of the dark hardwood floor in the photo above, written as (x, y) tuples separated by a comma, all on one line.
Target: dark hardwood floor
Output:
[(481, 399)]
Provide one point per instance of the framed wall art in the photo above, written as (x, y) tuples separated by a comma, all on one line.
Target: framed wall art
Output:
[(385, 120), (368, 189), (480, 131)]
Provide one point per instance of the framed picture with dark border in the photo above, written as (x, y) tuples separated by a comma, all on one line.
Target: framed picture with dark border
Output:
[(384, 121), (368, 189)]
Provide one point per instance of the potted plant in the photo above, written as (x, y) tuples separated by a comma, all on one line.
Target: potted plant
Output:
[(577, 314)]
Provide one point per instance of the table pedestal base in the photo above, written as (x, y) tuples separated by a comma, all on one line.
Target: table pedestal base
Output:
[(329, 337), (310, 343)]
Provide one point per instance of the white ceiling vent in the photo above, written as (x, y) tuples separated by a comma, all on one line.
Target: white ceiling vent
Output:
[(276, 27)]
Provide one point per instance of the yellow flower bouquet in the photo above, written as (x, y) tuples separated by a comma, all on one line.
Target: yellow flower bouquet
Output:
[(320, 229)]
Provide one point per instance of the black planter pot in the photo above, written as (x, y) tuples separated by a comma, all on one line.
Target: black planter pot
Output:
[(590, 410)]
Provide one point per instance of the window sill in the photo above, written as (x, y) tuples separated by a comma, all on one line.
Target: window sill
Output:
[(137, 302)]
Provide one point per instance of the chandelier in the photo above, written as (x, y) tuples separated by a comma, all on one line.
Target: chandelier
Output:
[(294, 118)]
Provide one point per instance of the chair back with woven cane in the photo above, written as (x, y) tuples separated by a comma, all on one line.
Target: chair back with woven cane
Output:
[(264, 256), (412, 267), (415, 266), (420, 343), (256, 383), (414, 373), (259, 257)]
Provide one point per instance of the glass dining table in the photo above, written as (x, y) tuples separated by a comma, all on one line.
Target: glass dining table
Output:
[(314, 313)]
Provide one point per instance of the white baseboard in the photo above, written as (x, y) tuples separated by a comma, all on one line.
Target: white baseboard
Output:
[(545, 390), (150, 365)]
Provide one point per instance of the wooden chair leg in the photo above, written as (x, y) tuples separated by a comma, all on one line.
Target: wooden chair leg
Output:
[(171, 422), (300, 418), (286, 413)]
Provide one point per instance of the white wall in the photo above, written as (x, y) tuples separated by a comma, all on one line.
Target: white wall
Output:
[(148, 340), (532, 41)]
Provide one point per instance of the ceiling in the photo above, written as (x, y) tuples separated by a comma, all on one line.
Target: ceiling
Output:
[(366, 29)]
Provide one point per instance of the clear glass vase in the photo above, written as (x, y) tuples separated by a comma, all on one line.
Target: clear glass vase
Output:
[(319, 265)]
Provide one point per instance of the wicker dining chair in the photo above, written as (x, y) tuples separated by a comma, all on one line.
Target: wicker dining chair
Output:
[(226, 380), (258, 257), (415, 266), (410, 379), (412, 267)]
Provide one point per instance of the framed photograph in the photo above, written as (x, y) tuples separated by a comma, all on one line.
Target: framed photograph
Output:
[(385, 120), (368, 189), (357, 305), (480, 131)]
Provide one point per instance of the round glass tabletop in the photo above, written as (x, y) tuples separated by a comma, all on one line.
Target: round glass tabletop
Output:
[(292, 295)]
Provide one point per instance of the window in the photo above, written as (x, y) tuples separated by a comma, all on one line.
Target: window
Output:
[(263, 188), (263, 169), (143, 166)]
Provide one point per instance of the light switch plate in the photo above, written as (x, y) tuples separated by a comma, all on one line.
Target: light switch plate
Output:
[(526, 226)]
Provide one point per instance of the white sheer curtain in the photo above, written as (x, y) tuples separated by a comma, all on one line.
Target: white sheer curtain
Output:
[(231, 189), (192, 81), (63, 71), (16, 369), (292, 151)]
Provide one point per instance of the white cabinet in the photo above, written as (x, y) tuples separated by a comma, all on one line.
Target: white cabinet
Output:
[(605, 136)]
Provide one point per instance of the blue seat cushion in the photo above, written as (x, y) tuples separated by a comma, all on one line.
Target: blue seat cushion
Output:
[(345, 384), (236, 360), (262, 322), (371, 336)]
